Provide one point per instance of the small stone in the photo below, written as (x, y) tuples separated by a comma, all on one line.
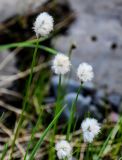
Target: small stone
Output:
[(82, 105), (114, 100), (49, 100), (72, 86), (100, 94), (88, 88), (73, 158), (95, 112), (67, 85), (54, 85), (99, 99)]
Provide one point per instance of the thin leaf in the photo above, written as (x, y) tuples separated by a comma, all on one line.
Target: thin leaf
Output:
[(38, 144), (4, 151)]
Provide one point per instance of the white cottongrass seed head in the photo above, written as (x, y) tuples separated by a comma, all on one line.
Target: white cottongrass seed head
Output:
[(85, 72), (90, 128), (64, 150), (61, 64), (43, 24)]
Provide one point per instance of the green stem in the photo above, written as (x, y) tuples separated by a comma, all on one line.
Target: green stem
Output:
[(73, 109), (25, 101), (57, 108), (22, 44)]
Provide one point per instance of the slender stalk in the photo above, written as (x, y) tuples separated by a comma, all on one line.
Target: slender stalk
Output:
[(25, 101), (22, 44), (73, 109), (57, 108)]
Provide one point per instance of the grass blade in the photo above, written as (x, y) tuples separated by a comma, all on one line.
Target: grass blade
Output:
[(110, 137), (24, 102), (21, 44), (4, 151), (38, 144)]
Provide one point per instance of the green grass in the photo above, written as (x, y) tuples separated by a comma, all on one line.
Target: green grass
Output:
[(4, 151), (44, 134)]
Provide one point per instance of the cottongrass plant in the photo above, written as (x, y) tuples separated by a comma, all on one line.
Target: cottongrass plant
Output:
[(61, 66), (90, 128), (64, 150), (85, 72), (43, 25)]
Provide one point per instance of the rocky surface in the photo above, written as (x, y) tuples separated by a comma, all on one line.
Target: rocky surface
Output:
[(97, 32), (91, 100), (9, 8), (7, 67)]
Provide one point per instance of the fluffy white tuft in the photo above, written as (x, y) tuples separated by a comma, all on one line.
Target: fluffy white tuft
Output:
[(64, 150), (90, 128), (85, 72), (43, 24), (61, 64)]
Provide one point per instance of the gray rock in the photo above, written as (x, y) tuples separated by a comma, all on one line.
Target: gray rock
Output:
[(94, 112), (9, 8), (54, 85), (100, 94), (99, 98), (7, 67), (97, 32), (68, 85), (82, 106), (115, 100), (89, 88), (49, 100)]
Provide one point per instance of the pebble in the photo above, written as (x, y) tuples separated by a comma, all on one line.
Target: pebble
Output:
[(89, 88), (100, 94), (115, 100), (49, 100), (82, 105), (94, 112), (70, 85), (99, 99)]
